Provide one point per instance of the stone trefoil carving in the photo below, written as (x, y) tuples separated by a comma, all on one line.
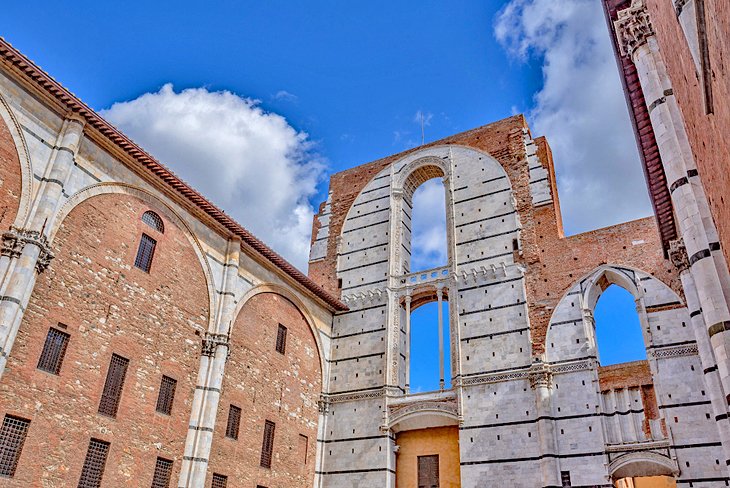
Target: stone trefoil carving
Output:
[(678, 254), (16, 238), (211, 342), (633, 27)]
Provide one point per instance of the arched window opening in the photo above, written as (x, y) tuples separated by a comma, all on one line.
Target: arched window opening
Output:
[(618, 330), (428, 224), (153, 220), (425, 362), (145, 253)]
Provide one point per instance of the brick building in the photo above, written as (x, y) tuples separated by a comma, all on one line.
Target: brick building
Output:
[(147, 339)]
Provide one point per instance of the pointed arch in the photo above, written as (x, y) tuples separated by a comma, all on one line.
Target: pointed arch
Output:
[(26, 167)]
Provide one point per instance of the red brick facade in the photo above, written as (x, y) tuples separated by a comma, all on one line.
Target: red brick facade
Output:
[(267, 385), (108, 306), (10, 183)]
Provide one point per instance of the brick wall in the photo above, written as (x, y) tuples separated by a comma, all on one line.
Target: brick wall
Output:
[(267, 385), (9, 178), (707, 133), (108, 306)]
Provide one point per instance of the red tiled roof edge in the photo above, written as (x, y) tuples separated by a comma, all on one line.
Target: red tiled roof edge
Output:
[(656, 179), (41, 79)]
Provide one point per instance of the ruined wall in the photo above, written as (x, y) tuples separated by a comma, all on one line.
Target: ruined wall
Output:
[(108, 306), (268, 385)]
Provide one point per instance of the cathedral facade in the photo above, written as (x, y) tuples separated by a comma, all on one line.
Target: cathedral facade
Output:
[(146, 339)]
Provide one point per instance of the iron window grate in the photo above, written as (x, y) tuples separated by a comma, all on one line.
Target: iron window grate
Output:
[(94, 464), (12, 438), (113, 386), (281, 339), (166, 395), (153, 220), (234, 422), (145, 253), (267, 447), (54, 351), (163, 473), (219, 481)]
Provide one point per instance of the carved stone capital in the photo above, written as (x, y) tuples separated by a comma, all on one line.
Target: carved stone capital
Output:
[(633, 27), (211, 342), (14, 241), (678, 254), (323, 404), (540, 375)]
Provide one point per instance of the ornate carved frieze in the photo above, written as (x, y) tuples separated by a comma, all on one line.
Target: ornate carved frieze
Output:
[(211, 342), (14, 242), (678, 254), (673, 351), (633, 27), (353, 397), (397, 412)]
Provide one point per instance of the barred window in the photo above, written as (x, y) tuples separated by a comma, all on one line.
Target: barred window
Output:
[(219, 481), (113, 386), (145, 253), (94, 464), (234, 422), (12, 438), (281, 339), (267, 447), (163, 473), (153, 220), (166, 395), (54, 350)]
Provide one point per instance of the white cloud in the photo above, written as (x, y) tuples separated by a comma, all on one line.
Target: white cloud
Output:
[(428, 243), (420, 115), (252, 163), (286, 96), (580, 108)]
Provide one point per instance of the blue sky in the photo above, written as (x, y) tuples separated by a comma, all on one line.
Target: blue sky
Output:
[(257, 103)]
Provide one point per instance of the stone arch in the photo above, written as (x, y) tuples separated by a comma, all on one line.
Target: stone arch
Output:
[(416, 172), (588, 289), (642, 463), (297, 303), (424, 414), (23, 154), (152, 200)]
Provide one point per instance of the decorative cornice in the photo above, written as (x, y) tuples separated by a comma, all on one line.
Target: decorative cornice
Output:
[(633, 27), (673, 351), (14, 241), (152, 168)]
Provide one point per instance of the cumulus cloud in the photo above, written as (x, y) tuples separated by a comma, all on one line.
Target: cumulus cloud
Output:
[(250, 162), (428, 243), (580, 108)]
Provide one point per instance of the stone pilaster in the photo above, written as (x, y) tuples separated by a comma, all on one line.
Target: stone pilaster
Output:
[(540, 378)]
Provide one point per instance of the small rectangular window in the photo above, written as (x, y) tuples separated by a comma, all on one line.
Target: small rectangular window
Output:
[(281, 339), (145, 252), (12, 438), (113, 385), (163, 473), (303, 447), (94, 464), (565, 478), (219, 481), (166, 395), (234, 422), (267, 447), (54, 349)]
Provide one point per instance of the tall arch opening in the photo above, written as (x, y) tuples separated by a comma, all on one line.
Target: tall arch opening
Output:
[(424, 231), (618, 330), (428, 358)]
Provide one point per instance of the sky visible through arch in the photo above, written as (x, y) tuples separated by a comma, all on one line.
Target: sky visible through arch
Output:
[(256, 103)]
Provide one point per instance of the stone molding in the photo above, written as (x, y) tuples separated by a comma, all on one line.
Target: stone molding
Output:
[(633, 27), (353, 397), (673, 351), (14, 241)]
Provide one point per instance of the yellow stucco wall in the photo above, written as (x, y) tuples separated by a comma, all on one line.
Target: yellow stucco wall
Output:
[(647, 482), (443, 441)]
